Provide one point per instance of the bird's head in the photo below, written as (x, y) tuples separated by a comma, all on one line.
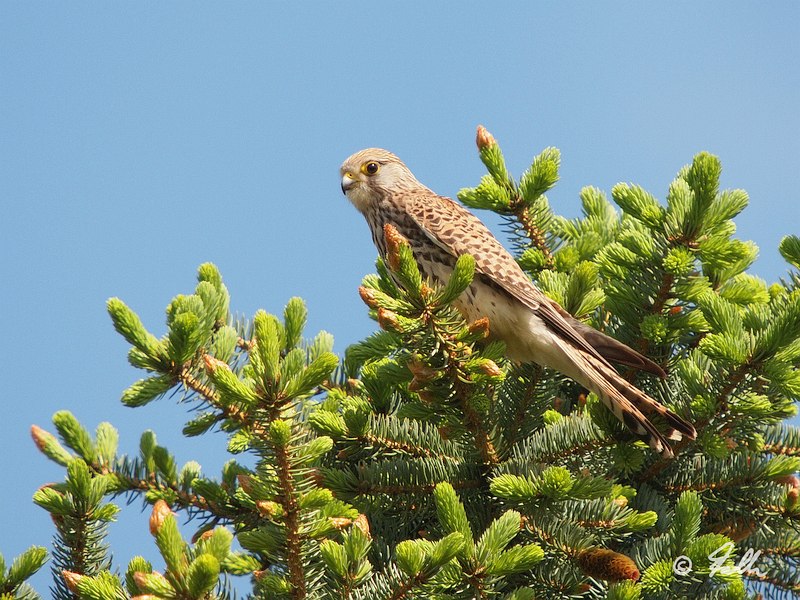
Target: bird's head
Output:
[(369, 174)]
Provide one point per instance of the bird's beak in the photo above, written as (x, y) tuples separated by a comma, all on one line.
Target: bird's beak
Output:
[(348, 181)]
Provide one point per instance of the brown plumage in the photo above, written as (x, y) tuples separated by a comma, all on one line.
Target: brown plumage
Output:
[(533, 327)]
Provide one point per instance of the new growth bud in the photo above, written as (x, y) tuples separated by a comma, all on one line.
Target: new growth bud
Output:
[(246, 483), (340, 522), (490, 368), (40, 437), (363, 524), (160, 513), (206, 535), (388, 320), (72, 580), (268, 508), (484, 139), (140, 578), (793, 493), (393, 242), (368, 296), (212, 364), (480, 327), (423, 374)]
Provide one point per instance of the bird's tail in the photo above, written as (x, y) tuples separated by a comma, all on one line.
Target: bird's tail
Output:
[(633, 407)]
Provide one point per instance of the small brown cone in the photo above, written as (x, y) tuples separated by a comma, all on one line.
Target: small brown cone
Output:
[(602, 563)]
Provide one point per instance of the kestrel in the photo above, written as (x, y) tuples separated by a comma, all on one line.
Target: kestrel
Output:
[(534, 328)]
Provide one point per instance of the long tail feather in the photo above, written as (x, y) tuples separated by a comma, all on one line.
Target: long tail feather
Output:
[(634, 408)]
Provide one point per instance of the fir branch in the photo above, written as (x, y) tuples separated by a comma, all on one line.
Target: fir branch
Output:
[(782, 439), (210, 395), (733, 382), (405, 447), (523, 402), (128, 481), (756, 575), (781, 449), (421, 488), (462, 389), (537, 237), (541, 534), (288, 501), (572, 436), (406, 586), (660, 301)]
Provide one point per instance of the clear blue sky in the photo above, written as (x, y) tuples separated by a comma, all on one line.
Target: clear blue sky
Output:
[(138, 140)]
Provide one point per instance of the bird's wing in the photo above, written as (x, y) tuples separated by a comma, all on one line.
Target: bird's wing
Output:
[(458, 231), (444, 221)]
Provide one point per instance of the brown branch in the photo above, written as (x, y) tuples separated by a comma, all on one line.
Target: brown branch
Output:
[(474, 423), (534, 233), (756, 575), (459, 378), (288, 501), (190, 381), (578, 450), (408, 448), (401, 592), (423, 488), (184, 499), (781, 449), (210, 395), (708, 485), (547, 538)]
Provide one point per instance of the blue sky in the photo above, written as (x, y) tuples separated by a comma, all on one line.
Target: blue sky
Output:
[(140, 140)]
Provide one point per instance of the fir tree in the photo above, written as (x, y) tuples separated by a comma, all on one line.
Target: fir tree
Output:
[(422, 464)]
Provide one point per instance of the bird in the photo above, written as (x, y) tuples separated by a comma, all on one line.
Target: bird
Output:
[(534, 328)]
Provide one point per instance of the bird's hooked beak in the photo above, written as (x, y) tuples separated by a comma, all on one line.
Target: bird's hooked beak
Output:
[(348, 181)]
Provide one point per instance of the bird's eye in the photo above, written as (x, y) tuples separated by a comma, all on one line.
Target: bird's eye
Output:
[(370, 168)]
